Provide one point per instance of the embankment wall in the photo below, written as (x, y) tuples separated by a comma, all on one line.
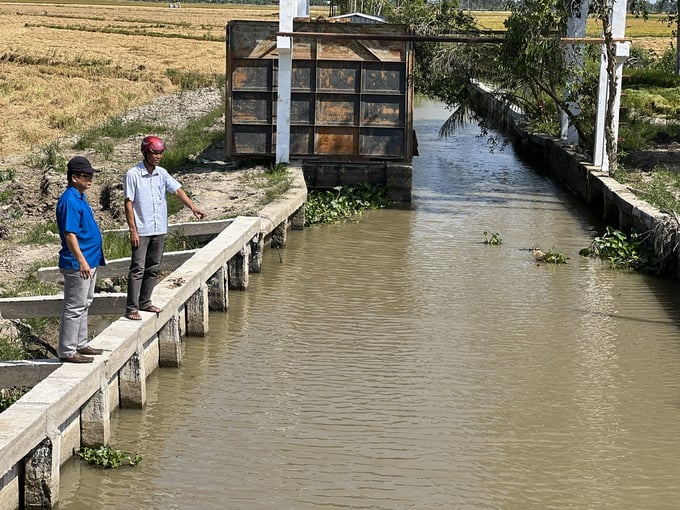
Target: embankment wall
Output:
[(614, 203)]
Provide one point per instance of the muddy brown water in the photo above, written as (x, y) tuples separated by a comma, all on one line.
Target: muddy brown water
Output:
[(398, 362)]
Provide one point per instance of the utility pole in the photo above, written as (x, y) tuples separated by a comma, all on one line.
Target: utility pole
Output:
[(288, 11), (621, 53), (573, 56)]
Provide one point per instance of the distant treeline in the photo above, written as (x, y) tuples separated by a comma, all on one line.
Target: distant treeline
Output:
[(659, 6), (238, 2)]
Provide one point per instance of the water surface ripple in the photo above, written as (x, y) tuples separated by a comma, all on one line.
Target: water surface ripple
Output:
[(398, 362)]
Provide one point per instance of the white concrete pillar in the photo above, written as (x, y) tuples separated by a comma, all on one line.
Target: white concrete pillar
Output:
[(284, 46), (41, 478), (257, 252), (288, 11), (132, 382), (95, 421), (198, 312), (621, 52), (280, 235), (239, 266), (573, 56), (170, 343), (297, 220), (218, 290)]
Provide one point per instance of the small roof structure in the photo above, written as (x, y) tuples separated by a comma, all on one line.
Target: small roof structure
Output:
[(359, 17)]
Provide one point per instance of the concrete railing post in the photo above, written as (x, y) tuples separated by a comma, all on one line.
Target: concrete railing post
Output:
[(132, 382), (95, 422), (239, 269), (218, 290), (197, 312), (257, 247), (297, 220), (279, 235), (41, 477), (170, 343)]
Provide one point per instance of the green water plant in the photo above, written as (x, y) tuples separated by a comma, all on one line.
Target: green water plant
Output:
[(492, 238), (343, 202), (549, 256), (107, 457), (620, 250)]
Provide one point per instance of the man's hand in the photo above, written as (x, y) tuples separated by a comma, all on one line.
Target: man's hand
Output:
[(84, 270), (198, 214), (134, 239)]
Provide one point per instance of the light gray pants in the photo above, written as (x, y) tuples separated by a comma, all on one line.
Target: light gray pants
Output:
[(144, 267), (78, 295)]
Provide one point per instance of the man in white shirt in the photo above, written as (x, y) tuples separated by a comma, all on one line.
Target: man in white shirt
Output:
[(146, 211)]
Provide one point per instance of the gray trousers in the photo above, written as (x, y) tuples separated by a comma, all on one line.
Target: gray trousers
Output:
[(78, 295), (144, 268)]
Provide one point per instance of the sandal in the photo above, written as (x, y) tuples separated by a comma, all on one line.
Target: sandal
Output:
[(133, 315), (152, 309)]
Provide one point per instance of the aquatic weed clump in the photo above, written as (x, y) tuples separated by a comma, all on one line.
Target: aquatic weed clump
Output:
[(343, 202), (620, 250)]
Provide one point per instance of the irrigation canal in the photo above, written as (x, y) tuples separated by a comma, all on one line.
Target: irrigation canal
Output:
[(398, 362)]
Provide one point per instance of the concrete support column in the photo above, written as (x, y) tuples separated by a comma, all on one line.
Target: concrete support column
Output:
[(198, 312), (297, 220), (218, 290), (41, 477), (257, 248), (238, 269), (170, 343), (95, 422), (279, 235), (132, 383)]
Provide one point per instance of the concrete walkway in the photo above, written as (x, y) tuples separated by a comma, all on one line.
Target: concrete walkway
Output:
[(70, 405)]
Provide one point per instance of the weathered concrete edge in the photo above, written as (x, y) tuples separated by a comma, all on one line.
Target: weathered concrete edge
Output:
[(617, 205), (278, 211)]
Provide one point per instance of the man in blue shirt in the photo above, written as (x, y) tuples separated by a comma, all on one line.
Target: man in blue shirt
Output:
[(80, 254), (146, 211)]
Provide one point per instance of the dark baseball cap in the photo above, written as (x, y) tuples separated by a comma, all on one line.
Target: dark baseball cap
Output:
[(80, 165)]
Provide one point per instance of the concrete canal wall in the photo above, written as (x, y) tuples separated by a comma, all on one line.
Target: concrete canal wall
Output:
[(612, 201), (69, 405)]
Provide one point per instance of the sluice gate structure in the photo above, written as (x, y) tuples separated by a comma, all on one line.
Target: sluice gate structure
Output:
[(351, 101)]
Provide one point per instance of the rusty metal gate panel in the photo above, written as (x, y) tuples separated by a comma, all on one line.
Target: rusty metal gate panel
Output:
[(351, 98)]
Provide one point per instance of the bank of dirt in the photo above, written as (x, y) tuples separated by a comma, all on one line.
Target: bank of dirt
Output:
[(29, 192)]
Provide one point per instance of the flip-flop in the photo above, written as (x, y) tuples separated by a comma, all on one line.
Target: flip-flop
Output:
[(152, 309), (133, 316)]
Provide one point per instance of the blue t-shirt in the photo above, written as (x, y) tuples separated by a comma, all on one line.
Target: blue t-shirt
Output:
[(75, 215)]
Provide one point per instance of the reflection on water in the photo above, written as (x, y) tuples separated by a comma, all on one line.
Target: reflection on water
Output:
[(398, 362)]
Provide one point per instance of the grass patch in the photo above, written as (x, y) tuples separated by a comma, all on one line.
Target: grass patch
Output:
[(192, 80), (660, 187), (10, 395), (192, 139), (50, 157), (43, 233), (114, 127), (30, 285), (116, 246), (10, 351), (277, 181)]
